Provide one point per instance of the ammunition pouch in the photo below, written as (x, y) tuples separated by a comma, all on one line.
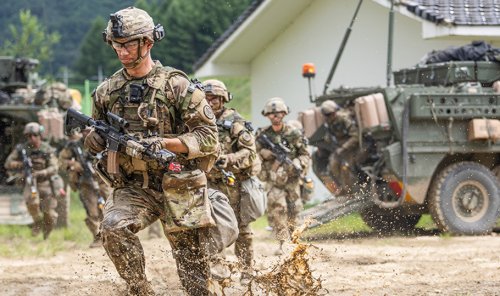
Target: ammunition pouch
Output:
[(57, 185), (153, 182), (186, 201)]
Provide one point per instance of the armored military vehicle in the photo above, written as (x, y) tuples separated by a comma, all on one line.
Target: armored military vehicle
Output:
[(17, 77), (433, 144)]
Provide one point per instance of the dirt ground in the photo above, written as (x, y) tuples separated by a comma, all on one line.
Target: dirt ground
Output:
[(357, 265)]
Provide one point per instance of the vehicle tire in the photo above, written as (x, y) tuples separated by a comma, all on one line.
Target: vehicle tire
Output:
[(464, 199), (389, 220)]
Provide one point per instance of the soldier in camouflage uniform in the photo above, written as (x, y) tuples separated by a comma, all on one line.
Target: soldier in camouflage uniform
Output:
[(82, 177), (238, 156), (166, 111), (40, 201), (342, 139), (284, 202)]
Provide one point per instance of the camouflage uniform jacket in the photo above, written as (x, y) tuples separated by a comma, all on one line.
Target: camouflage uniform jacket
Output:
[(344, 130), (239, 143), (177, 108), (290, 137), (78, 173), (43, 159)]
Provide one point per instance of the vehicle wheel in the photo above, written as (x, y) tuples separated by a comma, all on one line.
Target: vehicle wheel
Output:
[(464, 199), (389, 220)]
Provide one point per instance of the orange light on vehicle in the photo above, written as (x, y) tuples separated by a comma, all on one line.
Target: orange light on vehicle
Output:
[(308, 70)]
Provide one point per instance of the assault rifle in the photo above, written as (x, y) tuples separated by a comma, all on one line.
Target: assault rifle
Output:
[(28, 172), (115, 137), (280, 152), (88, 171)]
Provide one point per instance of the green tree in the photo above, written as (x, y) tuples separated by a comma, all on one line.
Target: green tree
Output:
[(95, 55), (30, 39)]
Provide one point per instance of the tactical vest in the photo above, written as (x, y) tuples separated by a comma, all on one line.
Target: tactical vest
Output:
[(230, 126), (40, 158), (288, 136), (149, 106)]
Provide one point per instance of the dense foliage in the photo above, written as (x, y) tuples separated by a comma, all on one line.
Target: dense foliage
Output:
[(191, 27)]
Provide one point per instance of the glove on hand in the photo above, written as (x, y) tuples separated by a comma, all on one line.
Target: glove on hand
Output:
[(266, 154), (94, 143), (15, 165), (225, 160), (40, 174), (137, 150)]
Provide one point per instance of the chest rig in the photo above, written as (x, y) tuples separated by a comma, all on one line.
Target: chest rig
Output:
[(39, 158), (147, 103), (285, 137)]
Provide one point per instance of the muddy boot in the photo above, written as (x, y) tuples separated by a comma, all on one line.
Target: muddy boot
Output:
[(36, 227), (97, 243), (279, 251), (142, 288), (94, 229), (48, 225)]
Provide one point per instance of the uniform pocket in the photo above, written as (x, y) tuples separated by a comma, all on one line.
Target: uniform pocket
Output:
[(186, 201)]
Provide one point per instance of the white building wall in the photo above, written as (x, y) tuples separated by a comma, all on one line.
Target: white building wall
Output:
[(315, 37)]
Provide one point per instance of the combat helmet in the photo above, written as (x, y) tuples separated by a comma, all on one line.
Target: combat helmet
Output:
[(217, 88), (33, 128), (274, 105), (132, 23), (329, 107)]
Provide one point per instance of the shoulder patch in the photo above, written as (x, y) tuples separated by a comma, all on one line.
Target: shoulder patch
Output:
[(246, 137), (208, 112)]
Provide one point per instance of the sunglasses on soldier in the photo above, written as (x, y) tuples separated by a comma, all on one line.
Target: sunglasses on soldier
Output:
[(128, 46)]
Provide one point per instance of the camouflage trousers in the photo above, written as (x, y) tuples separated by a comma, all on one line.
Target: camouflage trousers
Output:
[(89, 197), (131, 209), (341, 169), (42, 207), (243, 248), (283, 206)]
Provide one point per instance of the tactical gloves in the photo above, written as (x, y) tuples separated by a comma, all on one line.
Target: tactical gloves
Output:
[(15, 165), (94, 143), (266, 154), (137, 150), (225, 160)]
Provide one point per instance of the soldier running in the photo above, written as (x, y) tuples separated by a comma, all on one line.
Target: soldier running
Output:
[(168, 112), (38, 160), (237, 163), (283, 198)]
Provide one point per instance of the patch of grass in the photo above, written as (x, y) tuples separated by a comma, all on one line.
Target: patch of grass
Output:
[(348, 224), (16, 240), (426, 222)]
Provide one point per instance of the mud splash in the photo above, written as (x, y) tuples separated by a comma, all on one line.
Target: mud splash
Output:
[(291, 277)]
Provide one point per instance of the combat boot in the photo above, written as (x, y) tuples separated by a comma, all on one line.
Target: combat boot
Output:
[(48, 225), (36, 227), (279, 251), (142, 288)]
